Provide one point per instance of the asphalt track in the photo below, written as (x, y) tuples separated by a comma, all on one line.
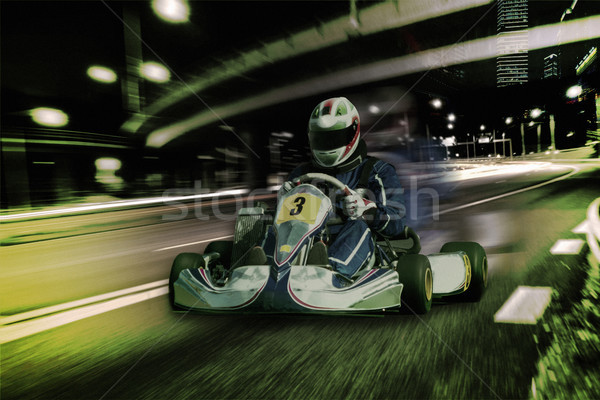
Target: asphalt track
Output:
[(143, 350)]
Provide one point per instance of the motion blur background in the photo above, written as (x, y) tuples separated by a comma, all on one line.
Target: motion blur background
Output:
[(133, 131), (108, 99)]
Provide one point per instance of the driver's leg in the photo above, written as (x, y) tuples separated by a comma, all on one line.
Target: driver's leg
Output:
[(352, 248)]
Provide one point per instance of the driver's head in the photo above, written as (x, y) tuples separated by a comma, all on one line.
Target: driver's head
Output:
[(333, 131)]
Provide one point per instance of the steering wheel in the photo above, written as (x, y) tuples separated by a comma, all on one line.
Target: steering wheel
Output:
[(336, 183), (325, 178)]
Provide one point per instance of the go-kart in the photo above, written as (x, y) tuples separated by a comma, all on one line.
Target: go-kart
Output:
[(226, 279)]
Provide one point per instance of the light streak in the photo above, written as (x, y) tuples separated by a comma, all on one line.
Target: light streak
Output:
[(194, 243), (454, 54), (118, 204)]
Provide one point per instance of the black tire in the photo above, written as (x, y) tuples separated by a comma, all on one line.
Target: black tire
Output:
[(224, 248), (415, 274), (181, 262), (479, 268)]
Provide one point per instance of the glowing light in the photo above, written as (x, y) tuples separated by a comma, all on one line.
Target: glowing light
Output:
[(102, 74), (175, 11), (373, 109), (450, 126), (155, 72), (49, 117), (451, 117), (536, 112), (482, 128), (574, 91), (449, 141), (436, 103), (108, 164), (508, 120), (105, 172)]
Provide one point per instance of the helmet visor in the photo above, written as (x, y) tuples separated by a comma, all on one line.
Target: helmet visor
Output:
[(331, 140)]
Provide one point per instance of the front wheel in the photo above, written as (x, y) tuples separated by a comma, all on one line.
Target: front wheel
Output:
[(181, 262), (415, 274), (479, 268)]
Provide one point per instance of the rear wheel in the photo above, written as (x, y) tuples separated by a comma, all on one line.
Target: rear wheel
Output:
[(479, 268), (181, 262), (415, 274)]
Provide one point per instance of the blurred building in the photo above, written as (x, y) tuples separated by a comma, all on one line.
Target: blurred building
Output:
[(551, 67), (512, 43), (588, 72)]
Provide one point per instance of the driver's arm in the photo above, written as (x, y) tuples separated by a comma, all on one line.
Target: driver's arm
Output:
[(388, 194)]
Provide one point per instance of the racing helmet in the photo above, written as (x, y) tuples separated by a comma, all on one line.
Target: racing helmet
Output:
[(333, 131)]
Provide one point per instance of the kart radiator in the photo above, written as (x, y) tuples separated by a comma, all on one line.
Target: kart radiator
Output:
[(249, 232)]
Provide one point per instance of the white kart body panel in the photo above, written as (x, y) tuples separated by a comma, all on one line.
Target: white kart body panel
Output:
[(451, 273), (309, 288), (194, 288)]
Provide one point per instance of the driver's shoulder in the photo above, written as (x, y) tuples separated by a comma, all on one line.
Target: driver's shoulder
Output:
[(374, 167)]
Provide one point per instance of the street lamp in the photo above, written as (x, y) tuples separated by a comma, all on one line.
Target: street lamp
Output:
[(536, 112), (574, 91), (49, 117), (508, 120), (155, 72), (175, 11), (436, 103), (373, 109), (102, 74)]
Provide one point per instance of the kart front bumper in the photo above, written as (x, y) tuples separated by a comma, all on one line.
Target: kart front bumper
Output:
[(254, 288)]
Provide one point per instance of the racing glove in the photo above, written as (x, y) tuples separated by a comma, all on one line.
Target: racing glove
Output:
[(355, 206)]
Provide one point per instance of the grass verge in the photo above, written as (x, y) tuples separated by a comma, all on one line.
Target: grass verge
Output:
[(569, 344)]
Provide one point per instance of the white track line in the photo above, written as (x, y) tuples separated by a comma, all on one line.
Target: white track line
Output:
[(525, 306), (583, 227), (17, 331), (501, 196), (78, 303), (193, 243), (567, 247)]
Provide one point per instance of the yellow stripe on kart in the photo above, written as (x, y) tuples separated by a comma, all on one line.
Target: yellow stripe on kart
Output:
[(303, 207)]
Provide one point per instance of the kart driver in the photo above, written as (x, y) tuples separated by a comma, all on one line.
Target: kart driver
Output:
[(375, 201)]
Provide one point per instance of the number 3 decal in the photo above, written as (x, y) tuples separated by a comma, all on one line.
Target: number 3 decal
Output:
[(299, 202)]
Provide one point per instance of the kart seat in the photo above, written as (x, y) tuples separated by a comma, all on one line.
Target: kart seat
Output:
[(318, 254), (408, 242)]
